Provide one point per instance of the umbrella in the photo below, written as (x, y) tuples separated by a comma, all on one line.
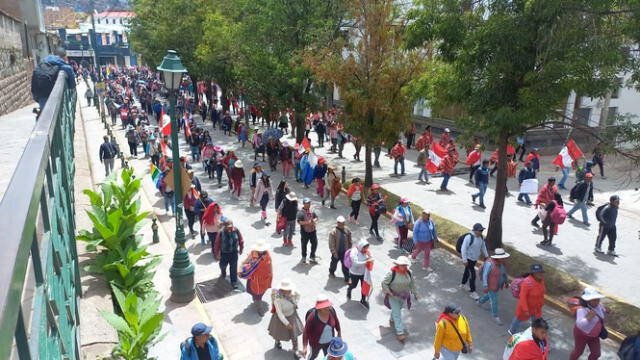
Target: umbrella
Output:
[(142, 82), (272, 133)]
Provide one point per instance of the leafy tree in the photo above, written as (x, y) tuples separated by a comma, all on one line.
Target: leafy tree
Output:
[(510, 65), (373, 73), (271, 40)]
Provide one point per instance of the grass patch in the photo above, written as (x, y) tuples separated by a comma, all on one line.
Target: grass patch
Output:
[(622, 317)]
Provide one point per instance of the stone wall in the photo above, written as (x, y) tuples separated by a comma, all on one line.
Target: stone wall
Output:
[(15, 70)]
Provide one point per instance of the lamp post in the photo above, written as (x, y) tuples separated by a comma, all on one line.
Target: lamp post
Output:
[(181, 272)]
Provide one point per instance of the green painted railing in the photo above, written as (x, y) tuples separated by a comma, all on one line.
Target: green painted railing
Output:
[(39, 278)]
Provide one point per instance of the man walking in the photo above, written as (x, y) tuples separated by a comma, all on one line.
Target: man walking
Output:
[(89, 95), (307, 219), (45, 75), (582, 194), (228, 247), (107, 154), (525, 174), (608, 215), (482, 182), (339, 243), (472, 247)]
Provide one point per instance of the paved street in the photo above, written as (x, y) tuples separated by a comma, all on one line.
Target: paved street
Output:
[(15, 128), (573, 249), (368, 333)]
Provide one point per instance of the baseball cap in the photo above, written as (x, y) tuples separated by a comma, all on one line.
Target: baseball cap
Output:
[(614, 198), (478, 227), (200, 328), (536, 268), (306, 200)]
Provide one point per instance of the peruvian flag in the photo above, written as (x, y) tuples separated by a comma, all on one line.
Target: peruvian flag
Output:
[(436, 154), (187, 127), (569, 153), (305, 144), (473, 157), (166, 125), (162, 114)]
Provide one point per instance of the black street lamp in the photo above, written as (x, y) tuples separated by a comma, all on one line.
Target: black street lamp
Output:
[(181, 272)]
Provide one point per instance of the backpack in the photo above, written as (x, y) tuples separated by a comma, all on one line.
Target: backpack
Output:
[(629, 349), (558, 215), (574, 303), (43, 79), (599, 211), (461, 241), (346, 259), (516, 286), (573, 194)]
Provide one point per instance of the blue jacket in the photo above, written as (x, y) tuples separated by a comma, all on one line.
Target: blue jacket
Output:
[(482, 175), (422, 231), (56, 60), (188, 350), (486, 270), (525, 174)]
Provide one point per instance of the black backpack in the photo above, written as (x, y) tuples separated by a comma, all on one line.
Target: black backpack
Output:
[(461, 240), (43, 79), (599, 211), (573, 194)]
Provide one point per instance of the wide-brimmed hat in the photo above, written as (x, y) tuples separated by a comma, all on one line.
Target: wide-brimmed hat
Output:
[(286, 284), (322, 301), (404, 200), (217, 148), (375, 186), (341, 219), (238, 164), (402, 260), (260, 246), (285, 143), (337, 347), (291, 196), (499, 253), (591, 294), (447, 130)]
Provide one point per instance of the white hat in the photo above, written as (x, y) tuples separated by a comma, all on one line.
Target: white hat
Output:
[(591, 294), (286, 284), (291, 196), (285, 143), (260, 246), (402, 260), (499, 253), (238, 164), (340, 219), (447, 130)]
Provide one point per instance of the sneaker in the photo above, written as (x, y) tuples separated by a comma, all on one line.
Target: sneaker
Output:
[(349, 295), (313, 260), (304, 260), (462, 286), (612, 253), (535, 224), (364, 303), (498, 321), (598, 250), (473, 199), (474, 295), (586, 223), (482, 206)]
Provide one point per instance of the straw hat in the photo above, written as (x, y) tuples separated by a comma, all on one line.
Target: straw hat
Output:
[(291, 196), (238, 164), (499, 253), (286, 284), (260, 246)]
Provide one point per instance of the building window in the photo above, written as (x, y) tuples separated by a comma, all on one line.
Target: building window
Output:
[(98, 21), (616, 91), (583, 116), (120, 21)]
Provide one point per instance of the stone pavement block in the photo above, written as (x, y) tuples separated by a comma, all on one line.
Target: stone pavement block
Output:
[(15, 128)]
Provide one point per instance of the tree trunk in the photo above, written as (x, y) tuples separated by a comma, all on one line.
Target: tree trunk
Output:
[(494, 233), (299, 126), (224, 101), (368, 168), (194, 81)]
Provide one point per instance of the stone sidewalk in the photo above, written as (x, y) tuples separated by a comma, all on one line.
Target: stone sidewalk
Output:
[(15, 128), (573, 246), (367, 332)]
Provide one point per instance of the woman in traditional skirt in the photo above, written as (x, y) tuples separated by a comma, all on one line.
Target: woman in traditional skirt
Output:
[(256, 268), (285, 324)]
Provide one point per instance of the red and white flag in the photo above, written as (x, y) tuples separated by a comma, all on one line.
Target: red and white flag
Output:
[(473, 157), (166, 125), (569, 153), (436, 154)]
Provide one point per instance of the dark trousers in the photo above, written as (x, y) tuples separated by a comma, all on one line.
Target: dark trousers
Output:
[(472, 171), (133, 149), (315, 351), (410, 138), (374, 224), (607, 232), (307, 237), (600, 164), (355, 208), (155, 159), (231, 260), (470, 274), (334, 265), (376, 155), (191, 217), (522, 150), (354, 283)]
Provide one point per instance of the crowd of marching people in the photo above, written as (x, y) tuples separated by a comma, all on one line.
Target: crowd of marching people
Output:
[(134, 97)]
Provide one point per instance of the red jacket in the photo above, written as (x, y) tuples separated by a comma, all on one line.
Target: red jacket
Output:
[(448, 163), (398, 151), (546, 194), (531, 299), (313, 327)]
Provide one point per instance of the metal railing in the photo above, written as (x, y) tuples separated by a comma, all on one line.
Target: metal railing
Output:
[(39, 279)]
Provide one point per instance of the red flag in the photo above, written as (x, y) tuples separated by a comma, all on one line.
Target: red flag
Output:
[(161, 117), (436, 154), (306, 144), (187, 127), (569, 153), (163, 147), (510, 149), (473, 157), (166, 127)]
